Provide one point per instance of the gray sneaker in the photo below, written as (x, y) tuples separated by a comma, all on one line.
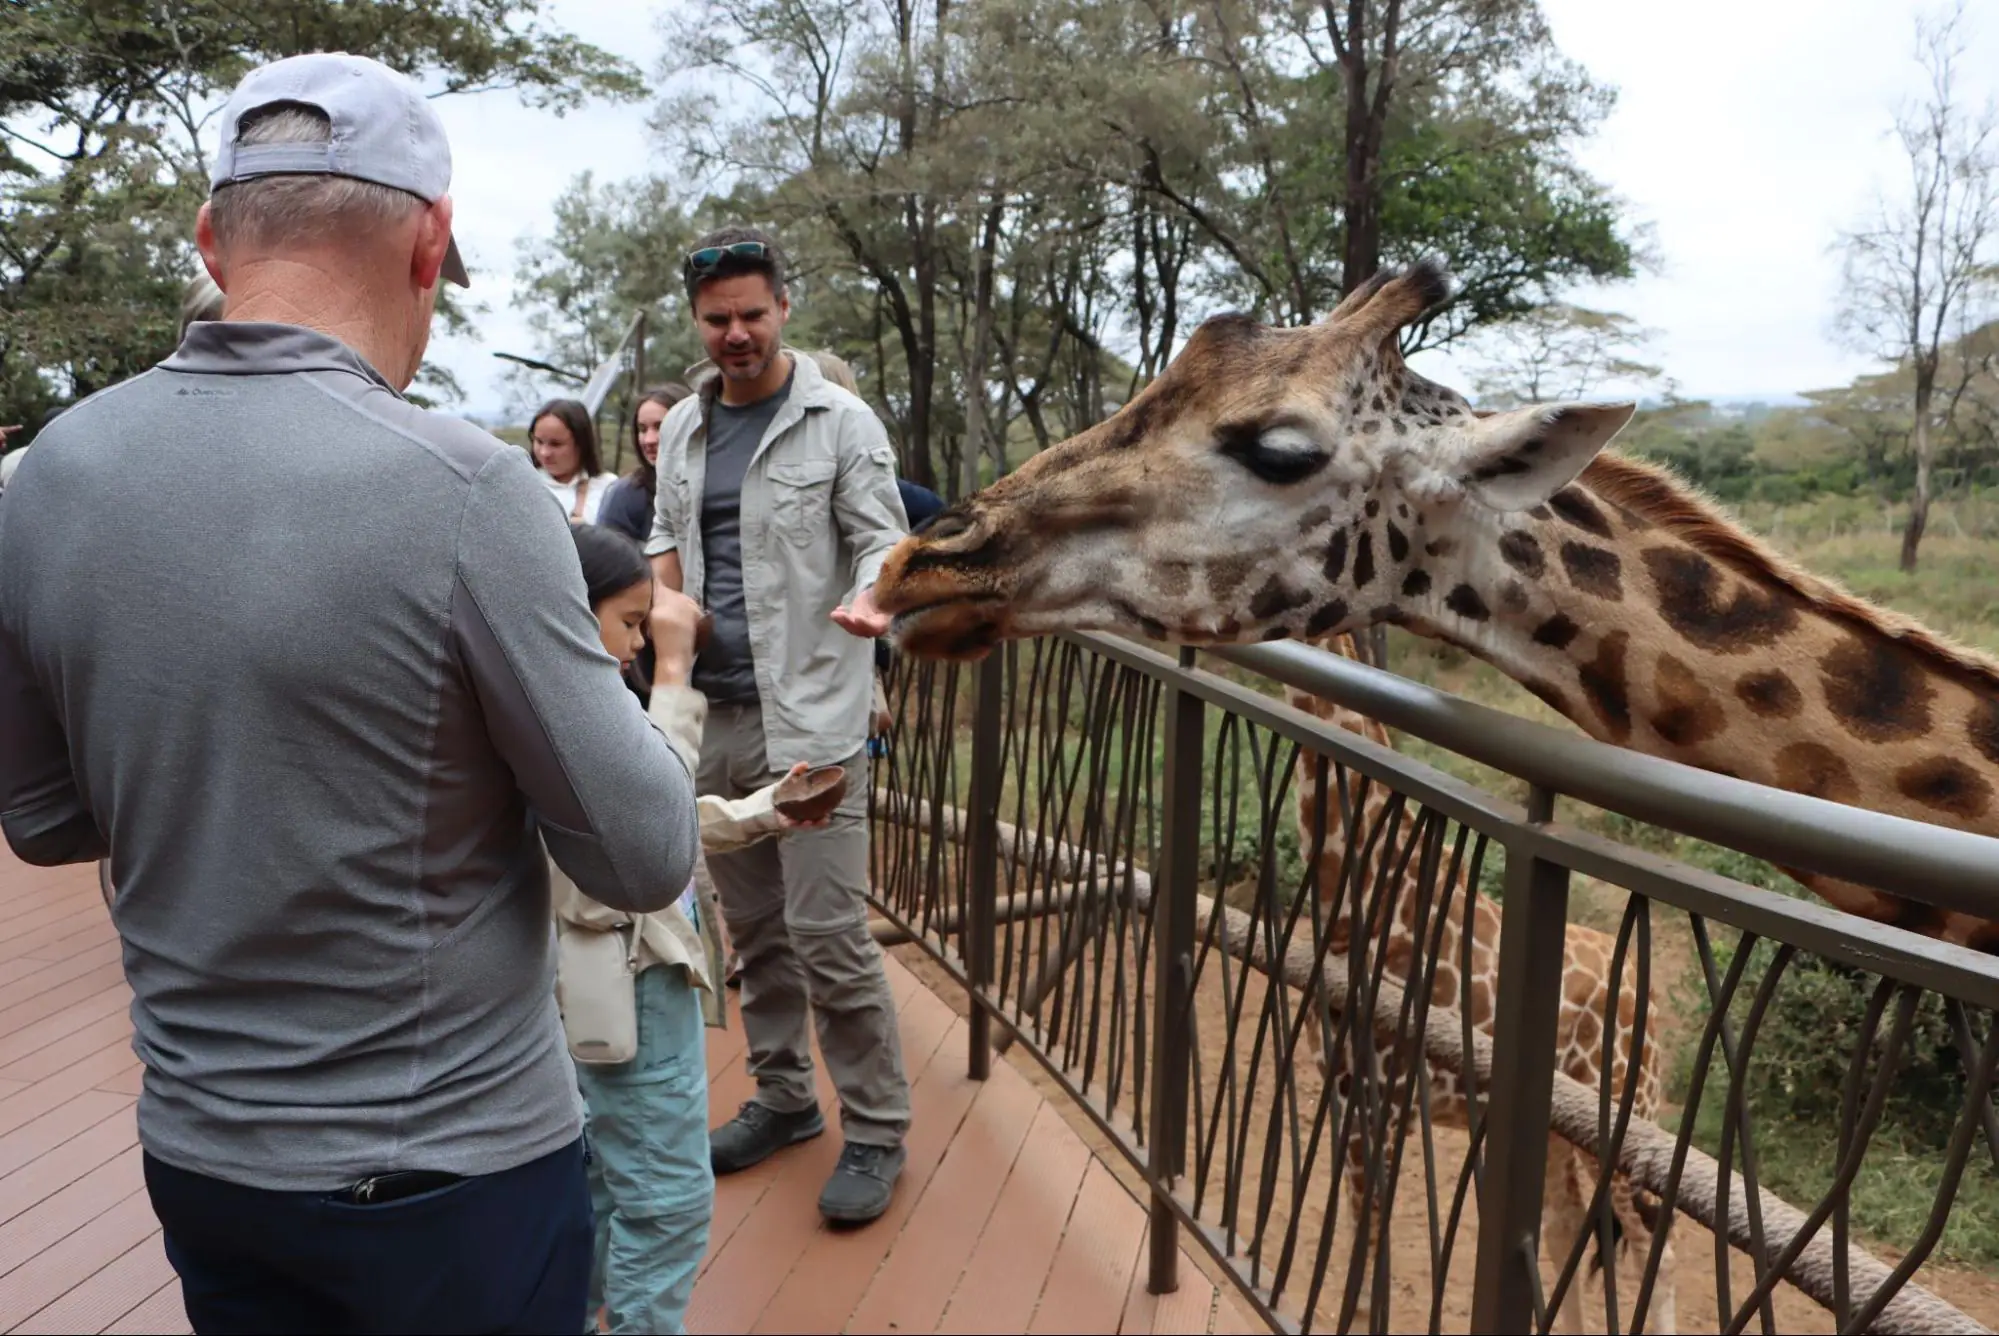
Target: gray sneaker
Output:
[(862, 1183), (757, 1132)]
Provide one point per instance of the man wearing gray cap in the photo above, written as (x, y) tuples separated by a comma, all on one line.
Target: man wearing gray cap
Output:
[(323, 704)]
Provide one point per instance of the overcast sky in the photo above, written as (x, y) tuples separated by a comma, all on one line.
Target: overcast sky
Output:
[(1746, 134)]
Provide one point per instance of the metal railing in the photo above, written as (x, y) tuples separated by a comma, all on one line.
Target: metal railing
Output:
[(1328, 1004)]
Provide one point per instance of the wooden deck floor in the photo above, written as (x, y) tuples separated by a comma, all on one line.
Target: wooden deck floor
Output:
[(1004, 1221)]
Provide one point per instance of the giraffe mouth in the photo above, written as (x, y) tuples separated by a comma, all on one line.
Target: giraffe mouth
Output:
[(961, 629)]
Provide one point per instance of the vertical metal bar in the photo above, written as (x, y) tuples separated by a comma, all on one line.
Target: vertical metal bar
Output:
[(1533, 924), (1177, 882), (982, 848)]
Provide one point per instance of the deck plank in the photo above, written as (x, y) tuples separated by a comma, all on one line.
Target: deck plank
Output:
[(48, 973), (1188, 1309), (63, 1084), (69, 1209), (162, 1313), (915, 1283), (112, 1293), (829, 1279), (63, 1023), (32, 1140), (1092, 1273), (55, 1271), (1003, 1282), (62, 1165)]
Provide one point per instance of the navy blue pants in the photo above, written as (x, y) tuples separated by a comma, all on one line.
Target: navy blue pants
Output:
[(505, 1252)]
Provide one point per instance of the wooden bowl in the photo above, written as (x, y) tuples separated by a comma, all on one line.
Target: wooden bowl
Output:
[(813, 795)]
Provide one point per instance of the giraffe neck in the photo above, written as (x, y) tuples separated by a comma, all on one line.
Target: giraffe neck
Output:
[(1648, 635)]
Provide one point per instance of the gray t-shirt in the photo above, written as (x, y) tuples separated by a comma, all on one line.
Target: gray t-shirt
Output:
[(330, 721), (726, 670)]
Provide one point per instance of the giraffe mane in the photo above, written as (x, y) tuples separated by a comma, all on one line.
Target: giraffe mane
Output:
[(1663, 499)]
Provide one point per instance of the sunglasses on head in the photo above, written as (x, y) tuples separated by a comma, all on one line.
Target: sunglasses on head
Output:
[(708, 257)]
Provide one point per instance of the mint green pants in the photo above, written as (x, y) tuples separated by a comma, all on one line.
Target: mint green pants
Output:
[(650, 1178)]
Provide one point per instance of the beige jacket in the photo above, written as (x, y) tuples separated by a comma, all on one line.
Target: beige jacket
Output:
[(666, 937), (820, 513)]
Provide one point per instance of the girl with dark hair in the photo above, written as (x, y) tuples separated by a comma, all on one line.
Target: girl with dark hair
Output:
[(563, 442), (636, 989), (628, 508)]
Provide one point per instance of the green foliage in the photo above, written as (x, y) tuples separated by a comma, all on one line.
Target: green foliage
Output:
[(102, 108), (1798, 1074)]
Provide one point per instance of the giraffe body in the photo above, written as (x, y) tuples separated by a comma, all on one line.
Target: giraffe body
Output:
[(1583, 1044)]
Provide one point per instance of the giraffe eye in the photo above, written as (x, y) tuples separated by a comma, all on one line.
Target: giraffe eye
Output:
[(1280, 455)]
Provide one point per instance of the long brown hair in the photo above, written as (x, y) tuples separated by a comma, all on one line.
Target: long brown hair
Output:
[(645, 476), (572, 414)]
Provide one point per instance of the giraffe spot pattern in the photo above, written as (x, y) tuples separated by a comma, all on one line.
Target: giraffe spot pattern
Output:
[(1817, 770), (1398, 544), (1440, 547), (1770, 694), (1557, 632), (1985, 729), (1336, 555), (1513, 596), (1465, 602), (1542, 513), (1548, 693), (1878, 692), (1520, 550), (1373, 508), (1275, 599), (1946, 784), (1688, 712), (1174, 578), (1416, 584), (1226, 575), (1327, 617), (1596, 571), (1574, 507), (1314, 519), (1363, 561), (1690, 599), (1605, 687)]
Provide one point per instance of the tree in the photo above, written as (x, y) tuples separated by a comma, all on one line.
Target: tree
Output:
[(1920, 270), (103, 104), (1560, 352)]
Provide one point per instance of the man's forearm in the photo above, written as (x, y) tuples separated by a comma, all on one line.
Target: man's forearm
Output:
[(666, 570)]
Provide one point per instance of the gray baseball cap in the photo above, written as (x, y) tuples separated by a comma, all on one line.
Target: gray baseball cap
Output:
[(384, 130)]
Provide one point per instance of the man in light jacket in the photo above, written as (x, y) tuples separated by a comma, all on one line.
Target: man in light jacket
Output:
[(776, 506)]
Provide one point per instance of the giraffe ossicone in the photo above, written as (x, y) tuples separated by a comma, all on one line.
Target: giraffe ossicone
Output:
[(1302, 482)]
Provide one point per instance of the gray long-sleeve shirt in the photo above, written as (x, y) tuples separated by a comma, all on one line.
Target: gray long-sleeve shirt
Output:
[(317, 669)]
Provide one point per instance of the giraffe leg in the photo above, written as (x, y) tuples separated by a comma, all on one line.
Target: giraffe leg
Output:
[(1639, 1221), (1565, 1219)]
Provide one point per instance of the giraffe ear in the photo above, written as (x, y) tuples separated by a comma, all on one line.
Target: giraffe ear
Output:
[(1518, 459)]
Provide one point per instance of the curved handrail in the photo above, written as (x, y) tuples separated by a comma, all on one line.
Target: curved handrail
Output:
[(1953, 869)]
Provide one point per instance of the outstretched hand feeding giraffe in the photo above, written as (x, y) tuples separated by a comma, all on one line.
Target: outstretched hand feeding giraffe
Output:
[(1279, 482), (1327, 813)]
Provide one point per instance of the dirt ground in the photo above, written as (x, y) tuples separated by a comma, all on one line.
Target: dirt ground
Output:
[(1410, 1287)]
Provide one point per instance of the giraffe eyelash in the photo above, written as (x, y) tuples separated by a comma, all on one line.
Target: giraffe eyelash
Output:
[(1280, 455)]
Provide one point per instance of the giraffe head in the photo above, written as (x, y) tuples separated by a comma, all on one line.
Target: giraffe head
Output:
[(1242, 495)]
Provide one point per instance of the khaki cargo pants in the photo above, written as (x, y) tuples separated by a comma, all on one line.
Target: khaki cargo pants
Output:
[(797, 915)]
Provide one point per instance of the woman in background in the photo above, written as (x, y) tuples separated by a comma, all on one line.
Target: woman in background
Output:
[(628, 508), (563, 441)]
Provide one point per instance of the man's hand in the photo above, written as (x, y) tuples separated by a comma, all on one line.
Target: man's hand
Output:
[(675, 618), (862, 618), (5, 432)]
